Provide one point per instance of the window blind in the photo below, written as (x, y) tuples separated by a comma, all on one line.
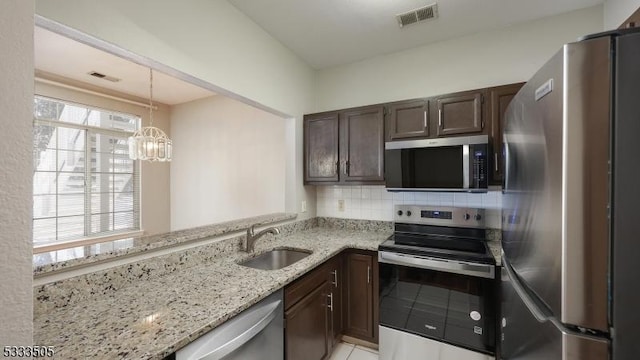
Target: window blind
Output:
[(84, 184)]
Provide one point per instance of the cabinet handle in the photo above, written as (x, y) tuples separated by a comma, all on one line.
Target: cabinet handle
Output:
[(346, 168), (425, 120), (330, 306), (368, 274), (335, 278), (440, 117), (495, 162), (337, 167)]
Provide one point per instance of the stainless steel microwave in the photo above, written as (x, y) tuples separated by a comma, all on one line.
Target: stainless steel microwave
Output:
[(446, 164)]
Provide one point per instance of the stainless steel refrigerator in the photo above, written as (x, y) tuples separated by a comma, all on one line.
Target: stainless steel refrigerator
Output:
[(571, 236)]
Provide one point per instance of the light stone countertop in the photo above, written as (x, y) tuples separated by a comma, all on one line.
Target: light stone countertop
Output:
[(152, 319), (48, 262), (496, 250)]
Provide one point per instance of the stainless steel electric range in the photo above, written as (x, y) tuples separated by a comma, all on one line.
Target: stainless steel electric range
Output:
[(437, 286)]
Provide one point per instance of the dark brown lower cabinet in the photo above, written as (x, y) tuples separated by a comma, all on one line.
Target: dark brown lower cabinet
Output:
[(360, 296), (335, 293), (307, 327), (335, 298), (313, 312)]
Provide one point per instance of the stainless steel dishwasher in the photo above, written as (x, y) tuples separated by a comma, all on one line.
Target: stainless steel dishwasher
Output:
[(256, 333)]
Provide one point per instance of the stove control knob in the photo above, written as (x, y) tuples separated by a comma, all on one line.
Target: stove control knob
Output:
[(478, 217), (467, 216), (399, 212), (408, 213)]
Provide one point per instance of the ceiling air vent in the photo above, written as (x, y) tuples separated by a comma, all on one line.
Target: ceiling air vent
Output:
[(103, 76), (421, 14)]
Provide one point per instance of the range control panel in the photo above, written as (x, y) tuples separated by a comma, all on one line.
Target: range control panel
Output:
[(444, 216)]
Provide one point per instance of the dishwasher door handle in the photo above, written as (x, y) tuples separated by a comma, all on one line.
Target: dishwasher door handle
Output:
[(245, 328)]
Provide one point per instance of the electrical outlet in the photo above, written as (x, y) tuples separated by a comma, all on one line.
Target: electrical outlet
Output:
[(303, 206), (340, 205)]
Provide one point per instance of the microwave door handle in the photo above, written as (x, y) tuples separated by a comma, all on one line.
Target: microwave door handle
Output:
[(465, 166)]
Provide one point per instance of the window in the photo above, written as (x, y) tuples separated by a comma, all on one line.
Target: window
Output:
[(84, 184)]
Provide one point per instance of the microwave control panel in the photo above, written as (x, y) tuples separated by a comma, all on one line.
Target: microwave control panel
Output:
[(479, 167)]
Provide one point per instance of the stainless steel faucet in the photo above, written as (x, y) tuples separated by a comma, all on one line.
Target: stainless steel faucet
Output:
[(252, 236)]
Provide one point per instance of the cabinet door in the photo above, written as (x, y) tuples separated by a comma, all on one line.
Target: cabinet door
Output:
[(460, 114), (335, 286), (408, 119), (306, 329), (500, 98), (321, 143), (362, 148), (359, 297)]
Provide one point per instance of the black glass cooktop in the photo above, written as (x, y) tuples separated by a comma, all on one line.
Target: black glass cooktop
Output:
[(439, 241)]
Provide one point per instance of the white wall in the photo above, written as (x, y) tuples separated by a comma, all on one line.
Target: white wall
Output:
[(617, 11), (376, 203), (155, 176), (16, 106), (213, 41), (229, 162), (485, 59)]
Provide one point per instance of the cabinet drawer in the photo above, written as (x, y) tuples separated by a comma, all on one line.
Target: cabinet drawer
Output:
[(303, 286)]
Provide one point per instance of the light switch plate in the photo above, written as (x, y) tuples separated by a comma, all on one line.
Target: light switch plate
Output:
[(303, 206), (340, 205)]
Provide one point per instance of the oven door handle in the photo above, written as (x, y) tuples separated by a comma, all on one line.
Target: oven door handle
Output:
[(451, 266)]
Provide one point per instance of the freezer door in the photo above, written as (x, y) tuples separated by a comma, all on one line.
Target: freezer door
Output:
[(528, 334), (556, 193)]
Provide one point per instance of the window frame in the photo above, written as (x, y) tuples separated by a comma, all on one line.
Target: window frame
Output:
[(91, 130)]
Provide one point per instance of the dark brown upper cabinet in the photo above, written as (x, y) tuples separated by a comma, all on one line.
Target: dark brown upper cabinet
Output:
[(321, 142), (360, 296), (408, 119), (362, 147), (345, 147), (500, 98), (460, 113)]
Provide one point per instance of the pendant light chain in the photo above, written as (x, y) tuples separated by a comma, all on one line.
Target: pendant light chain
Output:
[(150, 97), (150, 143)]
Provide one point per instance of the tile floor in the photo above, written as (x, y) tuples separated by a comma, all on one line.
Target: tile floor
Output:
[(346, 351)]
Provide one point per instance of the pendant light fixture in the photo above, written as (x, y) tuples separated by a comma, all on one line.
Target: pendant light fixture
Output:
[(150, 143)]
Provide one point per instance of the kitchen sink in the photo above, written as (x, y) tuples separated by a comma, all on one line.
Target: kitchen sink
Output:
[(276, 259)]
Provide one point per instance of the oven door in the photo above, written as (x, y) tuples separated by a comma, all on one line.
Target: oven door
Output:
[(458, 163), (446, 306)]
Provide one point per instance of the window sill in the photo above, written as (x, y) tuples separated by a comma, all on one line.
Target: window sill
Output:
[(38, 249)]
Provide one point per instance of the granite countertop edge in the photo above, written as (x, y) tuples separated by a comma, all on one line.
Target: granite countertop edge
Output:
[(192, 337), (161, 241), (250, 286)]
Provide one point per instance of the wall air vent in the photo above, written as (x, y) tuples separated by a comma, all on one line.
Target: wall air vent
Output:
[(428, 12), (103, 76)]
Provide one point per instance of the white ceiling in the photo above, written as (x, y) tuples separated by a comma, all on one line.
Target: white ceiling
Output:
[(68, 58), (332, 32)]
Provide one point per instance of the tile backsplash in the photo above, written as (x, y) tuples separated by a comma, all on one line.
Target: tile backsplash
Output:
[(376, 203)]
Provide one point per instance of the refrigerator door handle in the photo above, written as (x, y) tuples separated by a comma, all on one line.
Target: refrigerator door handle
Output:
[(522, 293), (506, 162)]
